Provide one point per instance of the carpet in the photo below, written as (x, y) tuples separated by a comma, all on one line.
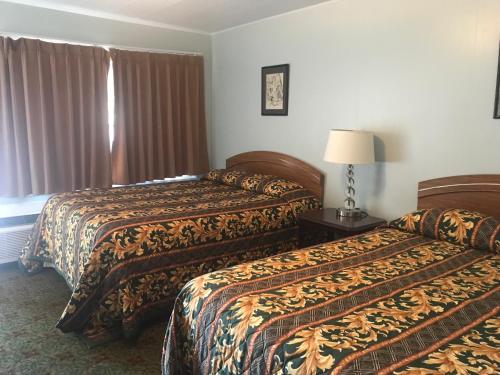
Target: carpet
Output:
[(30, 344)]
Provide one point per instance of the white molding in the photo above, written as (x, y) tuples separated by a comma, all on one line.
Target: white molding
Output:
[(105, 15), (275, 16)]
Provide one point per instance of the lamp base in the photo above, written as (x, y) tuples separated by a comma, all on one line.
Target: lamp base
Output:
[(349, 212)]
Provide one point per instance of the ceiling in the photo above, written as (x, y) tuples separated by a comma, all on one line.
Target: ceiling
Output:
[(193, 15)]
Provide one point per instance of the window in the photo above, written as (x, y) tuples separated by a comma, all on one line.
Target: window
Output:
[(111, 106)]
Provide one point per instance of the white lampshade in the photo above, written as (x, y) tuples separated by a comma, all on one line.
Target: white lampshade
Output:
[(349, 147)]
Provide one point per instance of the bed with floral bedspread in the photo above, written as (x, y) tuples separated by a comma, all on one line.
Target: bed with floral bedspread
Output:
[(420, 296), (126, 251)]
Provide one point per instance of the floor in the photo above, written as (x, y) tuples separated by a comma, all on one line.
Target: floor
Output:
[(30, 343)]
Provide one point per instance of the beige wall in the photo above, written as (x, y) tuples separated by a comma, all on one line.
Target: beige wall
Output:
[(419, 74)]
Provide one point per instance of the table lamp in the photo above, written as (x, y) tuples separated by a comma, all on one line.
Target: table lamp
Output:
[(349, 147)]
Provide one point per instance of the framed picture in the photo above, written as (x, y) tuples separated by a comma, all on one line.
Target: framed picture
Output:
[(274, 96), (496, 113)]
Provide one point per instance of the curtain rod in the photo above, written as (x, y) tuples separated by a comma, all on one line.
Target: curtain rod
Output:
[(103, 45)]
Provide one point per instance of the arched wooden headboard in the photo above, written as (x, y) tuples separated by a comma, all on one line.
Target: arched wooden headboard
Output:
[(281, 165), (472, 192)]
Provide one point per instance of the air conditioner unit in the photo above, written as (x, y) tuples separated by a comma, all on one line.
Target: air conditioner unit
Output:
[(12, 240)]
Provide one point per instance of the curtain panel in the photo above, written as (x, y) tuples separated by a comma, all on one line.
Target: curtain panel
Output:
[(53, 117), (160, 126)]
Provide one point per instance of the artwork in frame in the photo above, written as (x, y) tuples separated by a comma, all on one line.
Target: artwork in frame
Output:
[(274, 96), (496, 113)]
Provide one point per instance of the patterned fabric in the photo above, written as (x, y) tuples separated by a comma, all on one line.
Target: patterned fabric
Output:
[(127, 251), (388, 301), (258, 183), (214, 175), (454, 225), (233, 178)]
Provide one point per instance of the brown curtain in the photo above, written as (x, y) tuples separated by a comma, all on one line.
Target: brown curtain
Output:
[(53, 117), (160, 128)]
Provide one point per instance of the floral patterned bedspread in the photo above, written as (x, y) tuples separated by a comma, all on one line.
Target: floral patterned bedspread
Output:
[(388, 301), (127, 251)]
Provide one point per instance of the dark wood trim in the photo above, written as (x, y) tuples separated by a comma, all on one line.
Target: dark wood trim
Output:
[(328, 217), (472, 192), (281, 165), (496, 111), (325, 225), (285, 69)]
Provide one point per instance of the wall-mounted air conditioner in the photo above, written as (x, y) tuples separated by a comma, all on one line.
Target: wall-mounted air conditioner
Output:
[(12, 240)]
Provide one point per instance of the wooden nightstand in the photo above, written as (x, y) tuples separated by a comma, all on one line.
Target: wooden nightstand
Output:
[(324, 225)]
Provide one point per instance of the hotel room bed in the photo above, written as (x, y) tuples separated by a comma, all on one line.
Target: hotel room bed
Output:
[(125, 252), (421, 296)]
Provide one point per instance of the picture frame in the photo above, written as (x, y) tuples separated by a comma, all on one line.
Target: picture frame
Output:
[(496, 112), (274, 90)]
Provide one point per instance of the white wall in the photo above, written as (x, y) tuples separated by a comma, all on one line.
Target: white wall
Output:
[(45, 23), (419, 74)]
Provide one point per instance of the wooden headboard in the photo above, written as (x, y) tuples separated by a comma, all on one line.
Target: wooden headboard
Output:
[(473, 192), (281, 165)]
